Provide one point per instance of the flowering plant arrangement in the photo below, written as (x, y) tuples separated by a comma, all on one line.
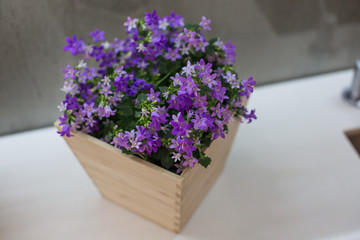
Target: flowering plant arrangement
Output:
[(163, 93)]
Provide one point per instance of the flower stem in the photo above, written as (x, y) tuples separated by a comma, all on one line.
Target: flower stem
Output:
[(161, 80)]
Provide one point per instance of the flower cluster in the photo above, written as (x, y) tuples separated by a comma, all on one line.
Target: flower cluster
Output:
[(163, 93)]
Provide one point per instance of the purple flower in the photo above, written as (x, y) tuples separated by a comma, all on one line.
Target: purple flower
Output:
[(175, 20), (106, 90), (89, 109), (218, 133), (119, 70), (70, 87), (70, 72), (205, 23), (121, 83), (163, 23), (185, 50), (226, 114), (183, 145), (230, 78), (172, 54), (71, 102), (179, 125), (188, 69), (187, 36), (200, 44), (74, 46), (106, 80), (203, 68), (249, 117), (157, 120), (118, 45), (179, 167), (176, 80), (153, 96), (188, 86), (107, 59), (141, 140), (197, 101), (218, 92), (180, 103), (80, 117), (230, 54), (88, 74), (90, 121), (151, 19), (248, 86), (65, 131), (200, 101), (209, 80), (97, 35), (217, 111), (142, 64), (130, 24), (189, 161), (175, 143), (144, 112), (63, 119), (174, 102), (176, 156), (200, 123)]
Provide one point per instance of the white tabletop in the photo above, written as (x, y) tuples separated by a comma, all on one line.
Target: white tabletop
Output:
[(292, 174)]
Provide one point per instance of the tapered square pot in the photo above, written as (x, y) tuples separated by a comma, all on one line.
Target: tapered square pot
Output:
[(153, 192)]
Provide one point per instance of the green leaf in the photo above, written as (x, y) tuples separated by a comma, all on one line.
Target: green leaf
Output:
[(204, 90), (213, 40), (141, 97), (209, 50), (126, 110), (204, 161), (192, 27), (137, 114), (163, 89), (163, 155)]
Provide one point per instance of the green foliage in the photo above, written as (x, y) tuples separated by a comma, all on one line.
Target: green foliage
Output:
[(141, 97), (137, 114), (163, 155), (192, 27), (204, 161), (163, 89), (212, 41)]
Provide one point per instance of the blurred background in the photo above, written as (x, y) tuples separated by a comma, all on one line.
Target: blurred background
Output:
[(276, 40)]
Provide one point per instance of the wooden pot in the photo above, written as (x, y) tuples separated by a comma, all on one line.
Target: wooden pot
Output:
[(153, 192)]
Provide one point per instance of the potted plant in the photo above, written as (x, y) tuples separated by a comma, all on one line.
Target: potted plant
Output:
[(153, 123)]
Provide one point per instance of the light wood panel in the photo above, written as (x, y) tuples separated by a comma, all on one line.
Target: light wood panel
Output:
[(198, 181), (144, 188)]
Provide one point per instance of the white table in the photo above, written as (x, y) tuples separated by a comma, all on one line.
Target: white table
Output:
[(292, 174)]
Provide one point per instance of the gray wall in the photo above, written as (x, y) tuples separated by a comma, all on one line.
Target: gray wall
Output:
[(276, 40)]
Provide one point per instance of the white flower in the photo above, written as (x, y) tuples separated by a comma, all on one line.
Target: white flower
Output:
[(106, 80), (163, 24), (62, 107), (70, 88), (176, 156), (131, 23), (141, 47), (189, 69), (166, 94), (219, 43), (82, 64), (106, 45)]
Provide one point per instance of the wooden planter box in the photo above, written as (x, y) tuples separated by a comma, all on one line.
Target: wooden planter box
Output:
[(144, 188)]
